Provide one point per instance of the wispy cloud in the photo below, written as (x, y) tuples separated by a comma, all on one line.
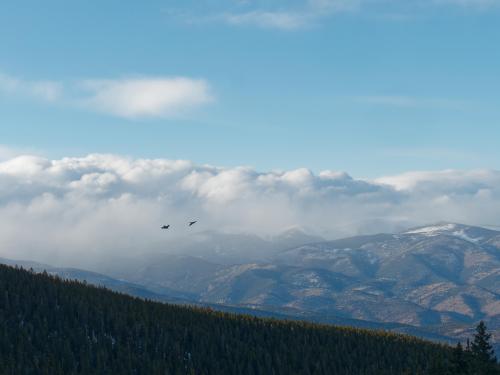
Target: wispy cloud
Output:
[(403, 101), (45, 90), (9, 152), (302, 14), (430, 153), (144, 97), (478, 4), (268, 19), (290, 18)]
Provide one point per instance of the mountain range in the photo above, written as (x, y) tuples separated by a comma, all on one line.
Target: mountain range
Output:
[(435, 281)]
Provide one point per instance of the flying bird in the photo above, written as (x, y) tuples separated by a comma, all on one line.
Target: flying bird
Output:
[(165, 226), (192, 222)]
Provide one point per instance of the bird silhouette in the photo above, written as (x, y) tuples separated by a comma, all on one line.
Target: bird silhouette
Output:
[(192, 222), (165, 226)]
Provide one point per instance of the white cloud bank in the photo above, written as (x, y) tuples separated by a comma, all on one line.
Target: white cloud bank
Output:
[(84, 208), (144, 97)]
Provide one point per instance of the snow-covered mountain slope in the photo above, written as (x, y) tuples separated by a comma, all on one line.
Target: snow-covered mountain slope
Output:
[(466, 232)]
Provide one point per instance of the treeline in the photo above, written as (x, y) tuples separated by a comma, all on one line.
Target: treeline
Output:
[(477, 358), (51, 326)]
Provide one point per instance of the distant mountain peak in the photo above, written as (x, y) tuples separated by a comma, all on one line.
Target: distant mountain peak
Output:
[(433, 230), (296, 235), (465, 232), (293, 230)]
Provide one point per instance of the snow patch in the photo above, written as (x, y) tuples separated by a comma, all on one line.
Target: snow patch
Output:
[(461, 234), (450, 229), (433, 230)]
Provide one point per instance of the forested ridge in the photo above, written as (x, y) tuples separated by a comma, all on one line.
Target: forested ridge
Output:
[(52, 326)]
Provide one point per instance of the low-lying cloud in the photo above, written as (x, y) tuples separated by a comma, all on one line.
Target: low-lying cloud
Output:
[(59, 211)]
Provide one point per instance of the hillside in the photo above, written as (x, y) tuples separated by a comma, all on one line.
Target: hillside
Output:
[(443, 278), (51, 326)]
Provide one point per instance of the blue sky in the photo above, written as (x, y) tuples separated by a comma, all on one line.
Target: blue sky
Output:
[(369, 87)]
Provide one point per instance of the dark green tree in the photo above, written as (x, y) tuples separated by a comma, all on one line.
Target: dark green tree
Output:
[(53, 326), (483, 355), (459, 364)]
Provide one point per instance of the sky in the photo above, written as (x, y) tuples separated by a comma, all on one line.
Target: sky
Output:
[(370, 87), (338, 117)]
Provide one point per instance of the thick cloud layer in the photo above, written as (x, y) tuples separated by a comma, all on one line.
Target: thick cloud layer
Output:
[(74, 209)]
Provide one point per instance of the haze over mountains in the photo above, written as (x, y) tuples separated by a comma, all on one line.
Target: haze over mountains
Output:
[(439, 278), (82, 211)]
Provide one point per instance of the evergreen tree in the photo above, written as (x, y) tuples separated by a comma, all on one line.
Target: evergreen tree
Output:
[(60, 327), (484, 360), (459, 361)]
